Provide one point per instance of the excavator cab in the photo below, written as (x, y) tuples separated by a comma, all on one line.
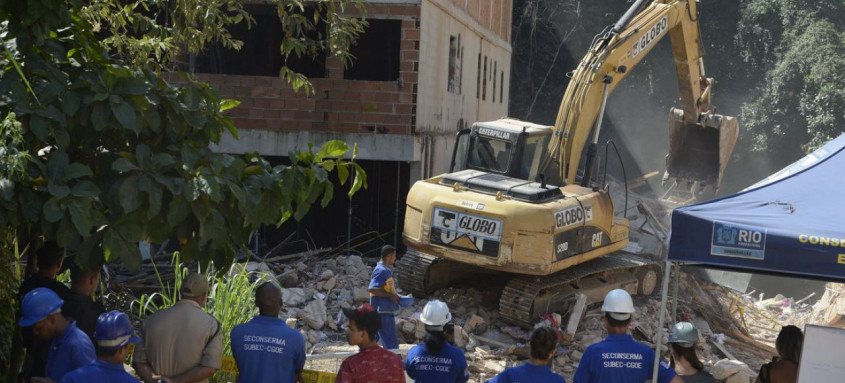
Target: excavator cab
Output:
[(699, 152), (507, 146)]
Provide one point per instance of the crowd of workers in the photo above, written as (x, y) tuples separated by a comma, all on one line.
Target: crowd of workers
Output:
[(70, 338)]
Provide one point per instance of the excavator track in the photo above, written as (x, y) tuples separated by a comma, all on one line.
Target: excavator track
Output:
[(420, 274), (412, 269), (527, 297)]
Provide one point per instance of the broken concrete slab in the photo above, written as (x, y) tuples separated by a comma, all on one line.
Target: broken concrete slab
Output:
[(294, 296), (314, 314)]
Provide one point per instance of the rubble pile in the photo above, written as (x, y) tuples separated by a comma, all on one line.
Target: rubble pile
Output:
[(317, 288)]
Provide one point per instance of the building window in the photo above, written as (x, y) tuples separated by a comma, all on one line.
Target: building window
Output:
[(484, 81), (262, 45), (478, 78), (501, 86), (455, 60), (376, 52)]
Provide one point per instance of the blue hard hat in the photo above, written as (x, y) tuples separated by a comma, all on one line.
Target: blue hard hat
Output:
[(37, 305), (114, 330)]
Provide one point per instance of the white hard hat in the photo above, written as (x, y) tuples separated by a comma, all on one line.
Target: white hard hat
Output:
[(436, 314), (619, 304)]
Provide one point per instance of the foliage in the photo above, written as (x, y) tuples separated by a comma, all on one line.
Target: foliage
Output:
[(116, 154), (136, 32), (228, 301), (10, 273), (799, 103)]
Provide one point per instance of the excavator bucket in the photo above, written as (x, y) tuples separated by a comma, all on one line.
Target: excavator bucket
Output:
[(700, 152)]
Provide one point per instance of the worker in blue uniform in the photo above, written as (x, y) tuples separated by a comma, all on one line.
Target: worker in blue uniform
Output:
[(265, 348), (113, 336), (436, 361), (384, 298), (620, 359), (70, 348), (543, 348)]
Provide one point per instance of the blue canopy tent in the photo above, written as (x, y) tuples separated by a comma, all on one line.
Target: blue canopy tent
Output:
[(791, 223)]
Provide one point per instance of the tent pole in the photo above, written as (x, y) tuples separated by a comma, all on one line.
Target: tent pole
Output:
[(675, 283), (659, 340)]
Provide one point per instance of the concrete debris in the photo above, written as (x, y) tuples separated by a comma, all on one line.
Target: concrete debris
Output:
[(732, 371), (294, 296), (830, 309), (492, 345), (314, 314), (289, 278)]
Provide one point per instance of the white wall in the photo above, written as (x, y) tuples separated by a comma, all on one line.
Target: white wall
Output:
[(438, 110)]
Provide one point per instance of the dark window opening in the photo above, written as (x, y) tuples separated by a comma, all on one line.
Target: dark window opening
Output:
[(260, 54), (454, 83), (484, 81), (478, 78), (501, 86), (461, 78), (376, 54)]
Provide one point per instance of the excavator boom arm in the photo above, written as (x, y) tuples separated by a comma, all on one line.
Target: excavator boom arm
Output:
[(609, 61)]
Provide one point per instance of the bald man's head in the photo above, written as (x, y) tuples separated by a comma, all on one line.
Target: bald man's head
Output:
[(268, 299)]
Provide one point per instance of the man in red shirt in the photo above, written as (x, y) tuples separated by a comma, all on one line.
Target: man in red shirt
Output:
[(372, 364)]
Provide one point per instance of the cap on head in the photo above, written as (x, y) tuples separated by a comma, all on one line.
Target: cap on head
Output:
[(684, 334), (194, 285), (618, 304), (37, 305), (114, 330), (436, 314)]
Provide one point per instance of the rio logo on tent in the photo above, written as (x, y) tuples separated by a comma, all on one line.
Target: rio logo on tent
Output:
[(743, 241)]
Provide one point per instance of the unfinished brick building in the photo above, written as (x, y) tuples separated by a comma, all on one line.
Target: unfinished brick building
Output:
[(424, 69)]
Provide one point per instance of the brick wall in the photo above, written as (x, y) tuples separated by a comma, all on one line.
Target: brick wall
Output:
[(338, 105)]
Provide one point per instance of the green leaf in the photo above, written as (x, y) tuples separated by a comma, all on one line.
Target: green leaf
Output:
[(121, 165), (301, 209), (130, 232), (342, 171), (70, 103), (131, 86), (80, 213), (66, 233), (76, 170), (359, 181), (155, 201), (57, 163), (178, 211), (40, 127), (228, 103), (85, 189), (61, 136), (126, 116), (57, 189), (129, 195), (100, 114), (53, 210), (142, 155), (328, 165), (333, 148), (328, 194), (163, 160)]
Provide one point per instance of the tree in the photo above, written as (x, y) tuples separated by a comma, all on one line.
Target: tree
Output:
[(115, 154), (799, 102)]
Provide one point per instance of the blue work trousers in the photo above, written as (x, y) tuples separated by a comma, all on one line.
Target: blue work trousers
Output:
[(387, 333)]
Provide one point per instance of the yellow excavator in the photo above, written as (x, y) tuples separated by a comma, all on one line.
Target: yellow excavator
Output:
[(512, 205)]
